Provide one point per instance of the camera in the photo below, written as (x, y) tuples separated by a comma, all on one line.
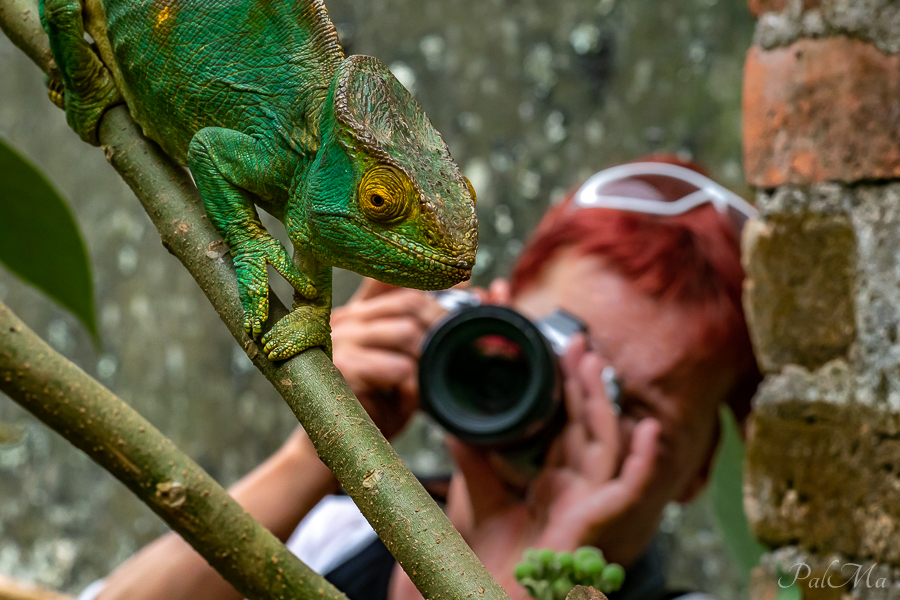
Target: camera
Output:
[(491, 377)]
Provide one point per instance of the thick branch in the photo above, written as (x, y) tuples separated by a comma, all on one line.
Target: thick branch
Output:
[(103, 426), (411, 525)]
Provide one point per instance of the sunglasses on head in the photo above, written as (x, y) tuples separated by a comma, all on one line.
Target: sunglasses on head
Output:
[(617, 188)]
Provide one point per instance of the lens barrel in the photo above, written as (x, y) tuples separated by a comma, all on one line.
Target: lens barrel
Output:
[(490, 378)]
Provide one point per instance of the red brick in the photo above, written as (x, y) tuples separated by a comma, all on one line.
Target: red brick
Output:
[(821, 110), (758, 7)]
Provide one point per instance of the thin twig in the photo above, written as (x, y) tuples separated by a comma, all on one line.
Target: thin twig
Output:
[(112, 433)]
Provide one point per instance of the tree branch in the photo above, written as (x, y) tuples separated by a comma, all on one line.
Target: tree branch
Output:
[(405, 517), (21, 23), (103, 426)]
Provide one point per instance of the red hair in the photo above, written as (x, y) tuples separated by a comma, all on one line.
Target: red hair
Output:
[(692, 258)]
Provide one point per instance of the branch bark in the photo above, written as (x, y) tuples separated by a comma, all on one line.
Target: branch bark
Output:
[(405, 517), (115, 436), (20, 21)]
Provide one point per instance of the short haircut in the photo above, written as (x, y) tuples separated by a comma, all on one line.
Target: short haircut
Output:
[(692, 259)]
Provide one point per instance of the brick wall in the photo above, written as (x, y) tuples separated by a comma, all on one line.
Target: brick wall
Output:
[(822, 145)]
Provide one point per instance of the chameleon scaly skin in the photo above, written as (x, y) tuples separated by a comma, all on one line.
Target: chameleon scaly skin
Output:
[(258, 100)]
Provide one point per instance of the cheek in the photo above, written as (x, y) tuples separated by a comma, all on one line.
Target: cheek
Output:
[(689, 444)]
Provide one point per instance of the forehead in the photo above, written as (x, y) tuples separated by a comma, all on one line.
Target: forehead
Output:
[(647, 340)]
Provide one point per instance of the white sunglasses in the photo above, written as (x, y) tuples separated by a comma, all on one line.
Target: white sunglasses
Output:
[(590, 194)]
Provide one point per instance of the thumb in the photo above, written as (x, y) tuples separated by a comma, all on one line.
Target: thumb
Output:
[(487, 492)]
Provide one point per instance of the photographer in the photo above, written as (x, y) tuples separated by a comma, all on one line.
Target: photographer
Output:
[(659, 295)]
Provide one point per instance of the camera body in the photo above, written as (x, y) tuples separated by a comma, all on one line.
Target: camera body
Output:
[(491, 377)]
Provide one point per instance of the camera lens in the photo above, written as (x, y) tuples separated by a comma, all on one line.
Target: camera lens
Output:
[(489, 377), (499, 373)]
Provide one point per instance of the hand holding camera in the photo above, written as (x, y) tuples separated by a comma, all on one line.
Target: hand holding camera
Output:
[(587, 488), (377, 339)]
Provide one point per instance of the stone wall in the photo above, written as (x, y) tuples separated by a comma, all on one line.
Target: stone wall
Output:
[(822, 144)]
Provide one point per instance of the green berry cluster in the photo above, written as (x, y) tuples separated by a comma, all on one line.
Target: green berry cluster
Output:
[(549, 575)]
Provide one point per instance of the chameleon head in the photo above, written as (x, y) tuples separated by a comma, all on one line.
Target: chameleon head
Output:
[(383, 197)]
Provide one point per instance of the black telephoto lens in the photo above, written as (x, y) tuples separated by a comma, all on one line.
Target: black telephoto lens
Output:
[(490, 378)]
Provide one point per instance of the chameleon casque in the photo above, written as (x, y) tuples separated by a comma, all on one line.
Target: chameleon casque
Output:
[(258, 100)]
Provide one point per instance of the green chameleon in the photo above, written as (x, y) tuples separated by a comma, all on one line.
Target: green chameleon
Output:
[(258, 100)]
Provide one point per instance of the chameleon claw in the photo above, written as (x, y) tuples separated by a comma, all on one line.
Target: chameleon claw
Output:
[(305, 327)]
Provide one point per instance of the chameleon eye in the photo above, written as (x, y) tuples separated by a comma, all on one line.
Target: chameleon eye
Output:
[(471, 189), (384, 194)]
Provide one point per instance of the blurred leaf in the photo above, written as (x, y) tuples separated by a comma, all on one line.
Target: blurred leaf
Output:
[(726, 488), (39, 240), (791, 592)]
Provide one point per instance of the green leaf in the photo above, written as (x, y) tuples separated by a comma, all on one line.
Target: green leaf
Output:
[(39, 240), (727, 495), (791, 592)]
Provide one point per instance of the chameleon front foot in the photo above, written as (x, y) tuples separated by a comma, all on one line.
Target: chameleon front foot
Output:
[(253, 280), (304, 327), (89, 89)]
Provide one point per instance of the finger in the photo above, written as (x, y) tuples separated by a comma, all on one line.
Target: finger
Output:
[(395, 303), (573, 388), (629, 505), (487, 492), (601, 459), (641, 467), (633, 488), (399, 334), (575, 436), (578, 345), (369, 288), (374, 368)]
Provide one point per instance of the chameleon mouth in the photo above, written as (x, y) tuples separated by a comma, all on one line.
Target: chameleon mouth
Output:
[(461, 264), (459, 267)]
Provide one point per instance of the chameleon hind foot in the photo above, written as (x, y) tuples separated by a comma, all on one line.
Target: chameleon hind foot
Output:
[(89, 86), (305, 327), (253, 281)]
